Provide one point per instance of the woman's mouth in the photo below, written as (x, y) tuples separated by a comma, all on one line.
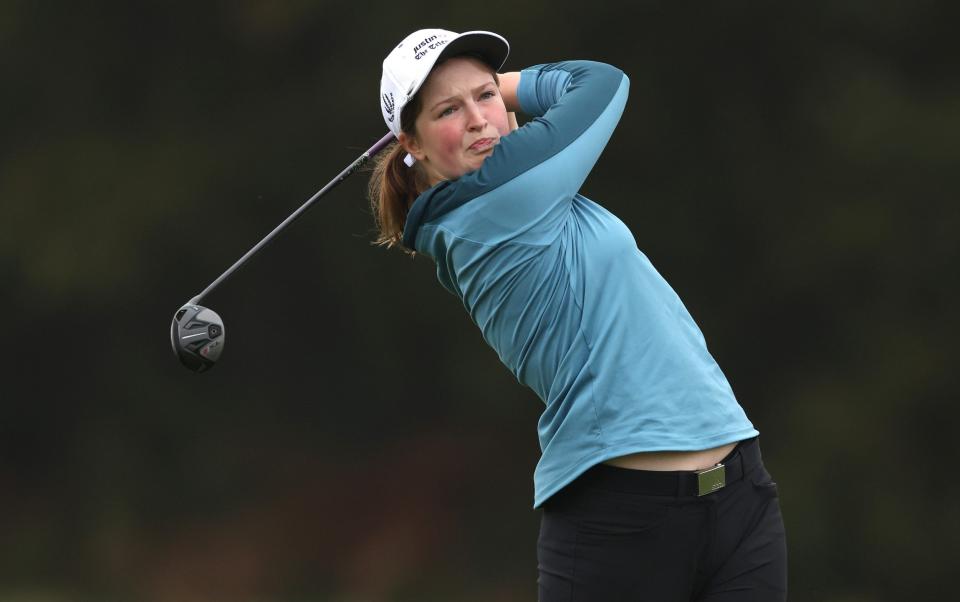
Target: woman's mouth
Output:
[(482, 144)]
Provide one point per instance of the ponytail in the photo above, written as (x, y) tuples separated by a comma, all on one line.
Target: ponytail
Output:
[(392, 189)]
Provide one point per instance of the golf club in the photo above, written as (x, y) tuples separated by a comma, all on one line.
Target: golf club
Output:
[(197, 333)]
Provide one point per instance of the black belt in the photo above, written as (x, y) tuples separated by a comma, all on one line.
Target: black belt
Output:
[(681, 483)]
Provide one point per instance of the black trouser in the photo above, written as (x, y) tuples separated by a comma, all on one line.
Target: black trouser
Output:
[(623, 534)]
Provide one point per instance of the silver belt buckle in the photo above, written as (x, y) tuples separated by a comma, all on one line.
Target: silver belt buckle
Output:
[(711, 479)]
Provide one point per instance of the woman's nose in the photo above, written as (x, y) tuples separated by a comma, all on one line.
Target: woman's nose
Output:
[(475, 117)]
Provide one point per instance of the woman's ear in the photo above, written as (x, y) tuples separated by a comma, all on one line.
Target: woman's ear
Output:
[(410, 144)]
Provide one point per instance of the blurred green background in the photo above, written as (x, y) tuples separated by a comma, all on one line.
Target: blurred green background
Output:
[(791, 168)]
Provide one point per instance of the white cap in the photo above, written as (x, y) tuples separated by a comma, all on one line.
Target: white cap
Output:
[(408, 65)]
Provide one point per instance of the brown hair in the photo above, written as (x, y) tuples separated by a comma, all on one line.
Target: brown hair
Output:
[(393, 186)]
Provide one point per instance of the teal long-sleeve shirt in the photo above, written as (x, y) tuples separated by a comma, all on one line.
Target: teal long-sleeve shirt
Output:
[(560, 290)]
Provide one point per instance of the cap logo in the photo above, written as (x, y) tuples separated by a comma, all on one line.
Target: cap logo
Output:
[(388, 105), (421, 49)]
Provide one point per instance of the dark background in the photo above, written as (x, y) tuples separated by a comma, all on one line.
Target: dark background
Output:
[(791, 168)]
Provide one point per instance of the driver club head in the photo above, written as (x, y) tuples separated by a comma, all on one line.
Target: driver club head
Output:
[(197, 336)]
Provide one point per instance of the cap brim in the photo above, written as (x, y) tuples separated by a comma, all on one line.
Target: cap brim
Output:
[(493, 49)]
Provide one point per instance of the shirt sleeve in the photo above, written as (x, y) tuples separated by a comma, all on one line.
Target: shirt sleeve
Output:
[(522, 191)]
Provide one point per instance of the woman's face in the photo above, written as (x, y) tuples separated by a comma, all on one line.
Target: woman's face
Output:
[(462, 118)]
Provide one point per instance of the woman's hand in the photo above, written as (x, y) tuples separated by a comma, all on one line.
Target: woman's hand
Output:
[(508, 90)]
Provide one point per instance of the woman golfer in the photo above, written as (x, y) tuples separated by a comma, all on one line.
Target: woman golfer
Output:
[(651, 481)]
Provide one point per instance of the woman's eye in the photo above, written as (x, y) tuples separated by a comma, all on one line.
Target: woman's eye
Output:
[(487, 94), (446, 111)]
